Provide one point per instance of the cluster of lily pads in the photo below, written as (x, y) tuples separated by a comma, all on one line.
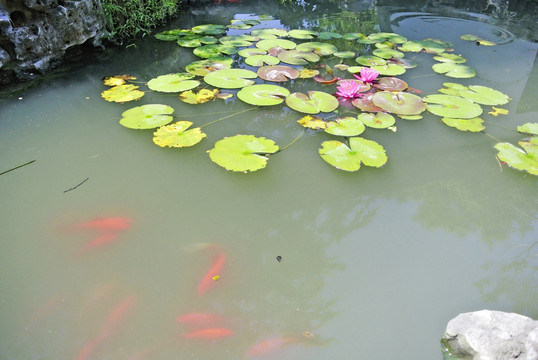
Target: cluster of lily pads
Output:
[(281, 57)]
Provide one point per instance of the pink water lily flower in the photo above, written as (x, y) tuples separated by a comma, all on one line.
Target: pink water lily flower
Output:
[(367, 75), (348, 89)]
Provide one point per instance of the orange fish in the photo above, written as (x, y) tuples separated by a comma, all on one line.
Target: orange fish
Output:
[(201, 319), (106, 224), (210, 333), (268, 346), (99, 241), (210, 278), (109, 328)]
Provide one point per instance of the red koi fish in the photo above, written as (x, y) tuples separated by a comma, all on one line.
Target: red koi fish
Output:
[(110, 327), (98, 242), (106, 224), (200, 320), (210, 278), (268, 346), (211, 333)]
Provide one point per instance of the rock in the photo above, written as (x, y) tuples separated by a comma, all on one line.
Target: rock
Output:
[(492, 335), (35, 34)]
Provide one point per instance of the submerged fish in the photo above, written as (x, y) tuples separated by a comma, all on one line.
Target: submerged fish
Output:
[(201, 319), (268, 346), (114, 223), (99, 241), (213, 274), (210, 333)]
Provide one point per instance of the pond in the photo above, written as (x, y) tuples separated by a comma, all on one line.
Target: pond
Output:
[(116, 248)]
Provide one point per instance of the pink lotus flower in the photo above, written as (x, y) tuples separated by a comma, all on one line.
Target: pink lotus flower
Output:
[(348, 89), (367, 75)]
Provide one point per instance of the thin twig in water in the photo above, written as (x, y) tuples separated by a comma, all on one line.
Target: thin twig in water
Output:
[(226, 117), (74, 187), (16, 167), (293, 141)]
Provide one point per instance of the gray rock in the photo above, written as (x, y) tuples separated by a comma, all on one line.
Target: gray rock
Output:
[(492, 335), (36, 34)]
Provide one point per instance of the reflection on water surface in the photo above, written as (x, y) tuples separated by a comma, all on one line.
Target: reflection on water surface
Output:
[(114, 268)]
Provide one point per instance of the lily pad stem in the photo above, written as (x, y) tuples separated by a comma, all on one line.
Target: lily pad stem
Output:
[(16, 167), (292, 142), (229, 116), (491, 136)]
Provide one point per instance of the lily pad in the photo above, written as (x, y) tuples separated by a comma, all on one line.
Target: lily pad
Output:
[(388, 53), (344, 54), (271, 43), (400, 103), (429, 46), (478, 40), (308, 73), (454, 70), (261, 60), (278, 73), (148, 116), (360, 151), (389, 69), (302, 34), (117, 80), (370, 60), (269, 33), (528, 128), (327, 35), (313, 103), (203, 67), (172, 35), (450, 58), (353, 36), (293, 57), (319, 48), (390, 84), (525, 159), (195, 41), (204, 95), (312, 122), (214, 50), (472, 125), (176, 135), (380, 120), (452, 106), (405, 63), (345, 126), (238, 40), (230, 78), (122, 93), (484, 95), (209, 29), (365, 103), (385, 36), (263, 94), (242, 152), (250, 52), (172, 83), (452, 88)]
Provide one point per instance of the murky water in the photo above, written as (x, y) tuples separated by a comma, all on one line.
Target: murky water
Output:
[(371, 265)]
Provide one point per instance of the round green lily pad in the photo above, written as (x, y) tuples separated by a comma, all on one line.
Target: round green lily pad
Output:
[(327, 35), (269, 33), (261, 60), (176, 135), (385, 36), (521, 159), (454, 70), (313, 103), (319, 48), (528, 128), (379, 120), (388, 53), (172, 35), (389, 69), (148, 116), (294, 57), (238, 40), (400, 103), (302, 34), (484, 95), (370, 60), (250, 52), (472, 125), (171, 83), (271, 43), (429, 46), (360, 151), (196, 40), (452, 106), (213, 50), (452, 88), (353, 36), (203, 67), (242, 152), (345, 126), (263, 94), (278, 73), (230, 78), (450, 58), (209, 29)]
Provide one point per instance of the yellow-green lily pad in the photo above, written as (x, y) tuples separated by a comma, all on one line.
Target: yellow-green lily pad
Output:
[(389, 69), (385, 36), (302, 34), (427, 45), (263, 94), (176, 135), (204, 95), (214, 50), (269, 33), (238, 40), (230, 78), (294, 57), (267, 44), (261, 60), (360, 151), (345, 126), (388, 53), (313, 103), (400, 103), (250, 52), (472, 125), (528, 128), (525, 158), (171, 83), (370, 60), (450, 58), (203, 67), (379, 120), (319, 48), (148, 116), (209, 29), (122, 93), (484, 95), (454, 70), (242, 152), (452, 106), (327, 35), (312, 122), (196, 40)]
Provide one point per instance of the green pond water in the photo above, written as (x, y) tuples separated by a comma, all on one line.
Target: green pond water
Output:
[(371, 264)]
